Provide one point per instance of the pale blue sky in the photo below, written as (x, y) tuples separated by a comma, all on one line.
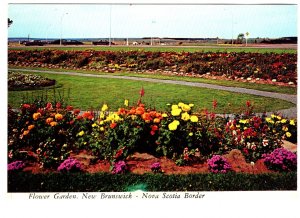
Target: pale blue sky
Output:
[(93, 20)]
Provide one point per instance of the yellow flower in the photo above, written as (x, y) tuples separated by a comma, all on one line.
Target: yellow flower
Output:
[(245, 128), (174, 107), (186, 108), (58, 116), (176, 112), (102, 129), (126, 102), (180, 104), (94, 125), (191, 105), (164, 115), (238, 126), (244, 121), (283, 121), (194, 118), (81, 133), (36, 116), (101, 122), (278, 117), (273, 116), (191, 134), (292, 122), (185, 116), (285, 128), (288, 134), (102, 116), (173, 126), (104, 107)]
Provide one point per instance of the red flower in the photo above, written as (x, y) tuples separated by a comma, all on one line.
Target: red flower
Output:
[(76, 111), (69, 108), (142, 92), (113, 125), (26, 106), (58, 105), (49, 106), (248, 103), (215, 104)]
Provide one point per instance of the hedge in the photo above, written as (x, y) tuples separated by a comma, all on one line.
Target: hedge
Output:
[(105, 182)]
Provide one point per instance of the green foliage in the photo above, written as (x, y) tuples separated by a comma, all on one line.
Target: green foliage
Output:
[(103, 182)]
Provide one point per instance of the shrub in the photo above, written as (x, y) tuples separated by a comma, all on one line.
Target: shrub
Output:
[(218, 164), (70, 165), (281, 160), (16, 166)]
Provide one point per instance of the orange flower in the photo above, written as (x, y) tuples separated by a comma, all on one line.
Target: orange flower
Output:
[(53, 123), (121, 111), (88, 115), (30, 127), (58, 116), (140, 111), (156, 120), (49, 120), (26, 132), (36, 116)]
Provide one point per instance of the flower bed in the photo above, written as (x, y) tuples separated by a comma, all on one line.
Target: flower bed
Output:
[(49, 133), (249, 66), (20, 81)]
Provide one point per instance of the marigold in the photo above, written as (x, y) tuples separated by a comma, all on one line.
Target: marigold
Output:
[(185, 108), (26, 132), (156, 120), (58, 116), (185, 116), (94, 125), (53, 123), (288, 134), (36, 116), (102, 129), (126, 102), (104, 107), (285, 128), (194, 119), (49, 120), (140, 110), (283, 121), (81, 133), (174, 106), (292, 122), (30, 127), (176, 112), (173, 126), (164, 115)]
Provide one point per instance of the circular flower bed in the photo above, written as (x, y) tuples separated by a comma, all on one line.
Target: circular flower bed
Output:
[(20, 81)]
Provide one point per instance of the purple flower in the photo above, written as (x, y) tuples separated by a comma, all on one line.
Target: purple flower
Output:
[(70, 165), (156, 167), (15, 166), (119, 167), (218, 164), (281, 160)]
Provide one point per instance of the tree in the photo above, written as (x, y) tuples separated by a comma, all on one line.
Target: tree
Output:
[(9, 22), (240, 38)]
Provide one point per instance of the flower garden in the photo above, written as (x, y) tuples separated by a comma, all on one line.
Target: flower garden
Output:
[(53, 137), (255, 67)]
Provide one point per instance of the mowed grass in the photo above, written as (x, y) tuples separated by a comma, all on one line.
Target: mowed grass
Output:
[(90, 93), (248, 85), (163, 49)]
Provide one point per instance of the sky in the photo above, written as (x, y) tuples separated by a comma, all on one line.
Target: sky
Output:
[(122, 21)]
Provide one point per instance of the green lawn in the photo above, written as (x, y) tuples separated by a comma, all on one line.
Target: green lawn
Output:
[(262, 87), (165, 49), (86, 93)]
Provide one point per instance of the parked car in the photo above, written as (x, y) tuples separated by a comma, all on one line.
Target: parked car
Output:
[(33, 43), (102, 42), (66, 42)]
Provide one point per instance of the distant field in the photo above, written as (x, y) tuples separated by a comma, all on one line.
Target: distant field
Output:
[(164, 49)]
